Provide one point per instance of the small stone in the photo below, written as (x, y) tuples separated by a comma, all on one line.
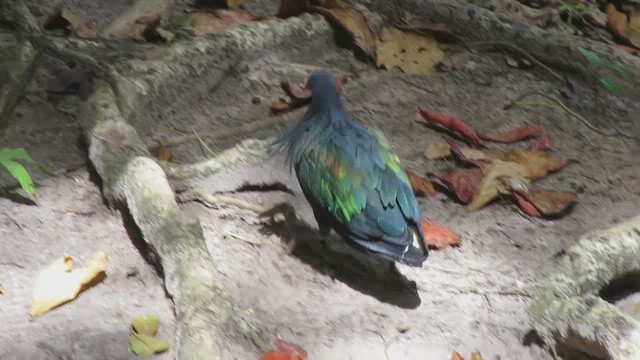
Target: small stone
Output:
[(256, 100)]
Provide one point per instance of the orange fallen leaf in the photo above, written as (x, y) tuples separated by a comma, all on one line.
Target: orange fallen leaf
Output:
[(540, 202), (420, 185), (464, 183), (521, 133), (456, 356), (539, 163), (279, 105), (437, 236), (353, 22), (285, 351), (448, 122), (542, 143), (216, 21)]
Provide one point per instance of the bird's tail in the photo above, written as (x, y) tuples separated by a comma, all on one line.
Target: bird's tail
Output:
[(417, 252)]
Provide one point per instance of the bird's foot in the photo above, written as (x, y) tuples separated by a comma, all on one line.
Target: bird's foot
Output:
[(284, 208)]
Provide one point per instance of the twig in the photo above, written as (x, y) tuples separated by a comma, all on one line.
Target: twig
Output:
[(520, 51), (203, 144), (250, 241), (568, 111), (211, 200)]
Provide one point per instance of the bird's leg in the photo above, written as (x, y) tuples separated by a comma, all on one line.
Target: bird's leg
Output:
[(290, 220), (324, 227)]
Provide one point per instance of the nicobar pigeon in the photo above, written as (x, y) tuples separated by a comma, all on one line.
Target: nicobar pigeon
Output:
[(352, 179)]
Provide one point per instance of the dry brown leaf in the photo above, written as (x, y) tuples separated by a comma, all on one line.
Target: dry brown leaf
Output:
[(456, 356), (420, 185), (59, 283), (355, 23), (626, 28), (211, 23), (438, 236), (493, 183), (476, 356), (65, 19), (538, 163), (411, 52), (1, 289)]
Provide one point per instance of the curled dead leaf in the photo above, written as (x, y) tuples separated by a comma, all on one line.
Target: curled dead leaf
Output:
[(464, 183), (65, 19), (465, 155), (59, 283), (518, 134), (448, 122), (285, 351), (420, 185), (410, 51), (438, 236), (354, 22)]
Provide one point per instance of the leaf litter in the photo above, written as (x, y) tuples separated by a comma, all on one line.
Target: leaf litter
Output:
[(143, 341)]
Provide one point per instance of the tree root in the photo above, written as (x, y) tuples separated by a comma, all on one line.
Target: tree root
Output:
[(568, 311)]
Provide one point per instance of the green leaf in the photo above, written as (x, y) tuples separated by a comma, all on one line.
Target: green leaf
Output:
[(591, 57), (14, 154), (617, 69), (21, 174), (145, 325), (145, 345), (612, 86)]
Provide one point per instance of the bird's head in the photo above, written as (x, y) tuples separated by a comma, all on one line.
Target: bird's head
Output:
[(324, 92)]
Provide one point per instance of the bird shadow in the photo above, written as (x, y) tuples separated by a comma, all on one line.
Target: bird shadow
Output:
[(331, 256)]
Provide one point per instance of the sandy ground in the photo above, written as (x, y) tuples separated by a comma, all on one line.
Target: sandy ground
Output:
[(468, 298)]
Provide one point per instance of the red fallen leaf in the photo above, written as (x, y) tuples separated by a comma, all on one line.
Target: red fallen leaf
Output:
[(456, 356), (294, 351), (296, 93), (437, 236), (542, 143), (521, 133), (459, 154), (526, 206), (448, 122), (420, 185), (463, 182), (300, 96), (274, 355)]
